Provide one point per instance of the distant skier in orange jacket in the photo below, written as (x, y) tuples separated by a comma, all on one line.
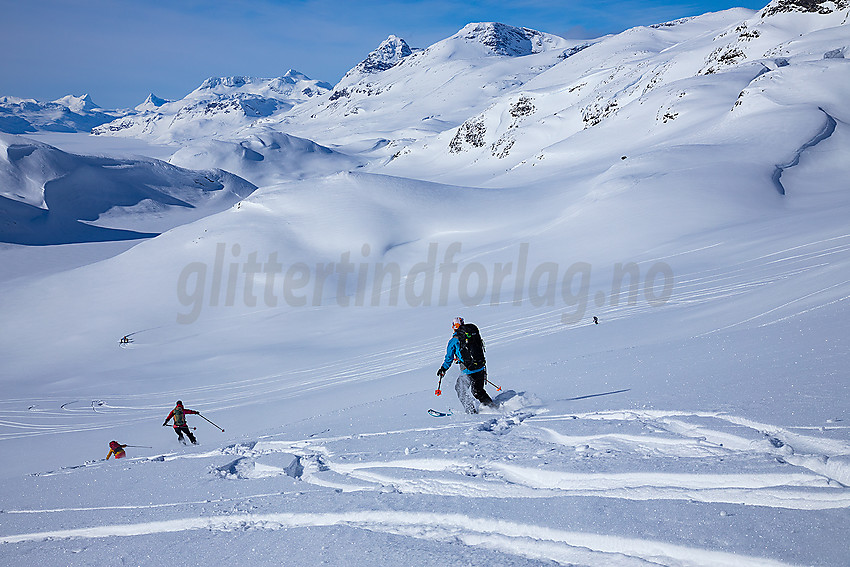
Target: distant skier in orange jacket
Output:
[(179, 414), (117, 449)]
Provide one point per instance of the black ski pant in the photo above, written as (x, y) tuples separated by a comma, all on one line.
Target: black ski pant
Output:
[(185, 429), (478, 380)]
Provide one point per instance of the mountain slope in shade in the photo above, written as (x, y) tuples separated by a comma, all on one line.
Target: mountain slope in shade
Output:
[(48, 196)]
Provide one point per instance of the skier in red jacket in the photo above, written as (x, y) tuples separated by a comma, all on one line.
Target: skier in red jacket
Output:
[(179, 414), (117, 449)]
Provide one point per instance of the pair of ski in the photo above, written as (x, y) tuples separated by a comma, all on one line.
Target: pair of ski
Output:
[(436, 413), (438, 392)]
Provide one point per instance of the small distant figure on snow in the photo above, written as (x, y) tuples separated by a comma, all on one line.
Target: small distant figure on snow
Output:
[(595, 320), (467, 349), (125, 340), (180, 427), (117, 449)]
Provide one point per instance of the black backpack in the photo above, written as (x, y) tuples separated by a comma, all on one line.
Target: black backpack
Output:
[(471, 347)]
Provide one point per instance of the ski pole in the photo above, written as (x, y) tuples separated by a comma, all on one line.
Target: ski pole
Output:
[(498, 388), (139, 446), (437, 392), (222, 430)]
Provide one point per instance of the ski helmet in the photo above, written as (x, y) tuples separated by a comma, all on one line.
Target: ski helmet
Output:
[(179, 403), (457, 322)]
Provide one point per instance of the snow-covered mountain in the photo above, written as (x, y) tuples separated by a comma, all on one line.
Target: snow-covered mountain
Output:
[(151, 103), (389, 54), (650, 230), (216, 108), (67, 114), (721, 79), (418, 92), (48, 196)]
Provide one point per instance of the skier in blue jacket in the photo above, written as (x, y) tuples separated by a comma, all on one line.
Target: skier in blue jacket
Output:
[(468, 380)]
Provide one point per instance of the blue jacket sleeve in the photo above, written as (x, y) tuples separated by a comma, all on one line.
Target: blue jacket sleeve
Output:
[(451, 350)]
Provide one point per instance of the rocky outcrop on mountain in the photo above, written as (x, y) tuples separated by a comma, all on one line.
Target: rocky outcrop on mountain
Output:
[(804, 6), (389, 54), (503, 39)]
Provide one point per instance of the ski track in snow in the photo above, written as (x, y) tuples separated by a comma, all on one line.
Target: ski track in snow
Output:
[(526, 540), (48, 416), (529, 452), (774, 467), (818, 481)]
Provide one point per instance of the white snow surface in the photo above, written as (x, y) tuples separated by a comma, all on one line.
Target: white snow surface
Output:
[(650, 230)]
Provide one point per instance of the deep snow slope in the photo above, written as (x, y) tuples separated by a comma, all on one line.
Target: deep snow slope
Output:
[(701, 430), (664, 301)]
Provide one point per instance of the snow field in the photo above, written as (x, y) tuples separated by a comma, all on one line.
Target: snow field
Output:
[(704, 426), (713, 463)]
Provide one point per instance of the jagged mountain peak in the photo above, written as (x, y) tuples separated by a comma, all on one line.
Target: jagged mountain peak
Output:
[(503, 39), (77, 103), (293, 76), (152, 102), (214, 83), (279, 85), (388, 54)]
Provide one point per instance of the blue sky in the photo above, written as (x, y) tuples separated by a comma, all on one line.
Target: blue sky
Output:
[(120, 50)]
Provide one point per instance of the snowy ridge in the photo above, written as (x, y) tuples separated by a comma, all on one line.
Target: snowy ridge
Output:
[(669, 83), (67, 114), (437, 87), (217, 107)]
